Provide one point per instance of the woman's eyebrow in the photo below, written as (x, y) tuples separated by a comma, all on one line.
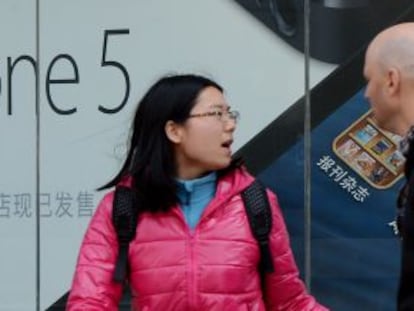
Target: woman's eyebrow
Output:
[(221, 106)]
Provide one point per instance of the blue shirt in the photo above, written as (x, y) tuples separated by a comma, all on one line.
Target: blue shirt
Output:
[(194, 196)]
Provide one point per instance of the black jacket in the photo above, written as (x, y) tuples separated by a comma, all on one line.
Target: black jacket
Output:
[(406, 209)]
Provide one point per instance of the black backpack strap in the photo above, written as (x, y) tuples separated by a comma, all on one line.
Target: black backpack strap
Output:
[(124, 219), (259, 215)]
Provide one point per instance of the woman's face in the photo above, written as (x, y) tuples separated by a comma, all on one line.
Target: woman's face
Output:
[(203, 142)]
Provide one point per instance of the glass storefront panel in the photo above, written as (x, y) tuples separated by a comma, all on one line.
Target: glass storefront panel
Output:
[(110, 56), (18, 286), (355, 253)]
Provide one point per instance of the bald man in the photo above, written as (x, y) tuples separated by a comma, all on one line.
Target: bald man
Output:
[(389, 71)]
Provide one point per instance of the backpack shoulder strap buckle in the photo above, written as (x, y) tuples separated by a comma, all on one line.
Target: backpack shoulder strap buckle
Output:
[(124, 220)]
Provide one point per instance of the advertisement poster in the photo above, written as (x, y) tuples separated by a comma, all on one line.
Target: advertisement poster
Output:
[(96, 58)]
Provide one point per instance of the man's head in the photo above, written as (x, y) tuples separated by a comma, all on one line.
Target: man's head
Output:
[(389, 70)]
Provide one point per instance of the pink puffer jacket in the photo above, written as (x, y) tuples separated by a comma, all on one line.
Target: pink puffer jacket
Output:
[(213, 268)]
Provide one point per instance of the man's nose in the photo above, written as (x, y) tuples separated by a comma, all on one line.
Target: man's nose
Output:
[(366, 94)]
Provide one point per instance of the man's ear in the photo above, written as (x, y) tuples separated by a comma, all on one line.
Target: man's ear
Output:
[(393, 81), (173, 131)]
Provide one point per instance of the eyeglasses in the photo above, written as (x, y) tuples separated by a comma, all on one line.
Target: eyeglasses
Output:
[(222, 116)]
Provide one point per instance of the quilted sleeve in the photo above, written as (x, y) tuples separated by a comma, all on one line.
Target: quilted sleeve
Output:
[(92, 285), (283, 288)]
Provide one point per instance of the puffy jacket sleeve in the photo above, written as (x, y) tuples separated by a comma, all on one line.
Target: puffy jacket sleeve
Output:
[(283, 289), (92, 285)]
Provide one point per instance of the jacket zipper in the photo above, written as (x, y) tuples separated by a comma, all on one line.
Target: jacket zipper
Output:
[(191, 266), (191, 275)]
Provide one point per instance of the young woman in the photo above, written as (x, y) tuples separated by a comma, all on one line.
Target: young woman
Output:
[(193, 248)]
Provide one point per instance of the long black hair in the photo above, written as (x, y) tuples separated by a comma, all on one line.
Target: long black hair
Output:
[(150, 160)]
